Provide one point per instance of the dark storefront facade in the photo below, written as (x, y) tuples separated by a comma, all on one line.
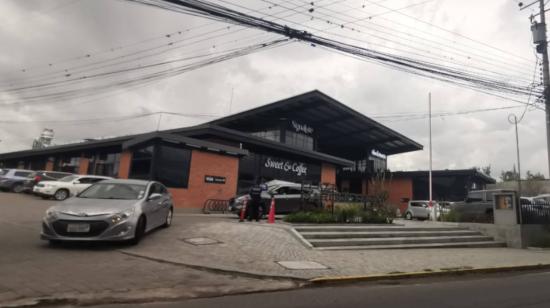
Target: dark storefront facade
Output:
[(310, 138), (448, 185)]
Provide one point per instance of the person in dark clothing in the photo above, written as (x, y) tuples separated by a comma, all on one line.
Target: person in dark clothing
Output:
[(255, 202)]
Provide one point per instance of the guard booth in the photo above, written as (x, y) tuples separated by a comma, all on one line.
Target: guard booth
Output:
[(521, 224)]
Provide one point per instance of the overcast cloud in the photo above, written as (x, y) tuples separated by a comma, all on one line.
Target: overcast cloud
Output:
[(36, 33)]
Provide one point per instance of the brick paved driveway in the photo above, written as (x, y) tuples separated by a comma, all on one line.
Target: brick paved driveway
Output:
[(30, 268)]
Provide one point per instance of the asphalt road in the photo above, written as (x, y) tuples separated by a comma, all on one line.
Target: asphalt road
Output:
[(495, 291), (30, 269)]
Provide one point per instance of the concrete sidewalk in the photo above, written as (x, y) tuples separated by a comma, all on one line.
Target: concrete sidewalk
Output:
[(255, 248)]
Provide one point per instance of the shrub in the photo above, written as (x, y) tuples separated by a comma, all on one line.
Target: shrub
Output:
[(350, 213), (310, 217), (451, 216)]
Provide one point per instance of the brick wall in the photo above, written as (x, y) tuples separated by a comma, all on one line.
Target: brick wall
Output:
[(205, 163), (83, 165), (49, 165), (124, 166), (399, 189), (328, 174)]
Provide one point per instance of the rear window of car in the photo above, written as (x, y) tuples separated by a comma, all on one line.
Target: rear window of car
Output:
[(3, 171), (22, 173), (32, 175), (57, 175)]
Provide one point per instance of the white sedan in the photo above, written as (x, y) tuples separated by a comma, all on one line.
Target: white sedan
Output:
[(65, 187)]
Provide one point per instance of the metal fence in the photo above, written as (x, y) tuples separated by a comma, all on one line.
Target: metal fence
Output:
[(535, 213)]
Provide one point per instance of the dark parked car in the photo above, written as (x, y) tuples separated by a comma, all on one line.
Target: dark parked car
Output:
[(289, 197), (12, 179), (39, 176), (478, 206)]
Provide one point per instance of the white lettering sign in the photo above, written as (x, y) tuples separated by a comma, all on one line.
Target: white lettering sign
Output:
[(302, 128), (377, 153), (287, 166)]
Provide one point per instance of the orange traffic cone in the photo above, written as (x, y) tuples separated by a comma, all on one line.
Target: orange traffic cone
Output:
[(243, 211), (271, 216)]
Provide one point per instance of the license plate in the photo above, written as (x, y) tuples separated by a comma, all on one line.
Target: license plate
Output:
[(78, 228)]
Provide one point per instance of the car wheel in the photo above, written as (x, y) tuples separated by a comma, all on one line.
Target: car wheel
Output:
[(408, 216), (61, 194), (17, 188), (168, 220), (140, 231)]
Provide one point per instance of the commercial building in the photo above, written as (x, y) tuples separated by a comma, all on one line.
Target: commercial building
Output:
[(447, 185), (309, 138)]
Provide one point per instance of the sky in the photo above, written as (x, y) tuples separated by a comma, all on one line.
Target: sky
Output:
[(47, 41)]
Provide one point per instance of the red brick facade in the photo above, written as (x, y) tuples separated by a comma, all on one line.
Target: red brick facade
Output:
[(124, 167), (197, 192), (49, 165), (83, 165), (328, 174), (400, 189)]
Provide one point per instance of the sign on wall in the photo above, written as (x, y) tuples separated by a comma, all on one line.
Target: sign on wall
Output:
[(301, 128), (287, 166), (214, 179)]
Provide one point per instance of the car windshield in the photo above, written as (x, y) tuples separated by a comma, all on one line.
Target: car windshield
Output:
[(3, 171), (114, 191), (32, 175), (68, 178)]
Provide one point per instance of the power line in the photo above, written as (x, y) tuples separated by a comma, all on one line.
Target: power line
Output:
[(221, 13)]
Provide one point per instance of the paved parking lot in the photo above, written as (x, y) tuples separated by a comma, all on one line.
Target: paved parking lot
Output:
[(31, 269)]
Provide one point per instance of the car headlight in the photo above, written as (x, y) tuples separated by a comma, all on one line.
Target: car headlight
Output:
[(119, 217), (51, 215)]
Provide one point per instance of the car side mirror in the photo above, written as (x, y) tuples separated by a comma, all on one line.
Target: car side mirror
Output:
[(154, 196)]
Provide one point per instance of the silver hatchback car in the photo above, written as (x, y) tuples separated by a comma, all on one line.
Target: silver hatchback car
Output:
[(420, 209), (111, 210)]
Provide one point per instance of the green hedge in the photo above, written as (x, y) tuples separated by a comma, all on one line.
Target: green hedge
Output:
[(343, 214)]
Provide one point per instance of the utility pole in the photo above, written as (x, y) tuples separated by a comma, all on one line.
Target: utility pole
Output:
[(432, 207), (514, 120), (539, 38), (543, 46)]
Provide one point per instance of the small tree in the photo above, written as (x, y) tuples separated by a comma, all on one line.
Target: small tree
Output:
[(510, 175), (379, 197)]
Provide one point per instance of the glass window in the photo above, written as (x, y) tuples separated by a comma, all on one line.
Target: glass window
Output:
[(299, 140), (68, 178), (142, 161), (475, 196), (67, 164), (274, 135), (4, 171), (172, 166), (114, 191), (106, 164), (22, 173)]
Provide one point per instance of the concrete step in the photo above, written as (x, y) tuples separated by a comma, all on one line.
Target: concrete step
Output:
[(371, 228), (397, 240), (386, 234), (487, 244)]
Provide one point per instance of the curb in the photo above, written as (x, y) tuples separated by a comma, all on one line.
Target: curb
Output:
[(427, 274), (218, 270)]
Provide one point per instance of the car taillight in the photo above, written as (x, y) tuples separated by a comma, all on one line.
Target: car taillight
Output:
[(37, 178)]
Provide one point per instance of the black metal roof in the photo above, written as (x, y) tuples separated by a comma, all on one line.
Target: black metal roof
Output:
[(189, 142), (238, 136), (126, 142), (441, 173), (339, 128)]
